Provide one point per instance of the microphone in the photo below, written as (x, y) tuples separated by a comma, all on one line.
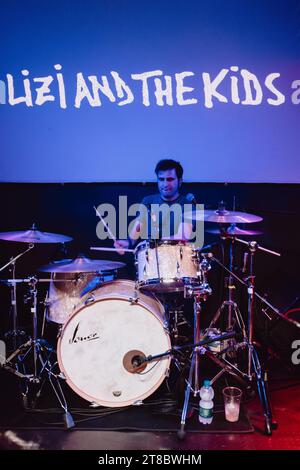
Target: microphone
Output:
[(246, 255), (191, 198), (138, 360), (135, 361)]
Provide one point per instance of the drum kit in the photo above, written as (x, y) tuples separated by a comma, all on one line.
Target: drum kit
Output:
[(114, 344)]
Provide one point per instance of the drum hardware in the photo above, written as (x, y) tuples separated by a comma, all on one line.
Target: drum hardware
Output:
[(35, 349), (173, 321), (12, 283), (234, 315), (229, 305), (199, 294), (138, 359), (89, 299), (134, 300), (216, 346), (254, 368)]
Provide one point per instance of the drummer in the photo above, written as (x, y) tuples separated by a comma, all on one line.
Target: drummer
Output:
[(169, 180)]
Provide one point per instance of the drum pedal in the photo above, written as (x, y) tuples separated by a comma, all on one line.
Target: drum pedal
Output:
[(68, 420)]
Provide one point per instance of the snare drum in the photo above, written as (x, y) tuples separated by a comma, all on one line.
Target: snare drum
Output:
[(166, 266), (99, 344)]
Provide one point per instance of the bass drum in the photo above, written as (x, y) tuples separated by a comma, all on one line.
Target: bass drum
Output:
[(102, 343)]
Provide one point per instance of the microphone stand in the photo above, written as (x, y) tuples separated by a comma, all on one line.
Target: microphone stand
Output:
[(170, 352), (198, 347)]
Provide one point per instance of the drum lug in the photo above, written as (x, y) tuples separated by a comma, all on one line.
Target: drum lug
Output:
[(181, 252), (178, 267), (91, 298), (59, 331), (134, 300)]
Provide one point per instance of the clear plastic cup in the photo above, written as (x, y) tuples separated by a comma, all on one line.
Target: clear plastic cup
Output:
[(232, 401)]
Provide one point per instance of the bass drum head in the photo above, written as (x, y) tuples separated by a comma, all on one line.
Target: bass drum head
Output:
[(100, 342)]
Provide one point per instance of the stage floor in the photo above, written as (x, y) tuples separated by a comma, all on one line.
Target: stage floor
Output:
[(285, 397)]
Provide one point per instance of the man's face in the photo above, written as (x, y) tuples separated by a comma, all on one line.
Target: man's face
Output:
[(168, 184)]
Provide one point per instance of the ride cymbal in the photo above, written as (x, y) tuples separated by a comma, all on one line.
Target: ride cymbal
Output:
[(223, 217)]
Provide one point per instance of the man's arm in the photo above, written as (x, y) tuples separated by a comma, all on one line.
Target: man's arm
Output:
[(134, 235)]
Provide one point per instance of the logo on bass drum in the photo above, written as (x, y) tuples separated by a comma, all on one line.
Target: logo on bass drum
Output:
[(80, 339)]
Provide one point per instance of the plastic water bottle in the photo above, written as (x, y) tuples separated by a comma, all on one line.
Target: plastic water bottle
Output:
[(206, 403)]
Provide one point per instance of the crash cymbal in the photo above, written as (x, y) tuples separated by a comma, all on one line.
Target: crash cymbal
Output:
[(81, 264), (34, 236), (223, 217), (233, 230)]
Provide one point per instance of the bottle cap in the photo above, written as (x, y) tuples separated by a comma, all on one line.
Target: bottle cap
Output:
[(207, 383)]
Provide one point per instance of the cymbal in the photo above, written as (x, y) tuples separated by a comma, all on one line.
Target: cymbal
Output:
[(233, 230), (34, 236), (223, 217), (81, 264)]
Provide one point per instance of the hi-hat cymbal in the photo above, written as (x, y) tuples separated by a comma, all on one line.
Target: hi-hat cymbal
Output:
[(81, 264), (233, 230), (223, 217), (34, 236)]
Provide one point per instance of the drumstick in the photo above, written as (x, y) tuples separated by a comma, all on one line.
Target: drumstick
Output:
[(128, 250), (105, 225)]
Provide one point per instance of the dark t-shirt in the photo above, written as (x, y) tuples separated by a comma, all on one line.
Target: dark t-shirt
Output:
[(161, 218)]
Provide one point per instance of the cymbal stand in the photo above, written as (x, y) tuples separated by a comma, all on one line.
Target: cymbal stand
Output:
[(253, 364), (39, 348), (253, 247), (230, 303), (14, 333), (200, 294)]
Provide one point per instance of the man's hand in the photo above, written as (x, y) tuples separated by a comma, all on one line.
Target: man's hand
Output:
[(120, 245)]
